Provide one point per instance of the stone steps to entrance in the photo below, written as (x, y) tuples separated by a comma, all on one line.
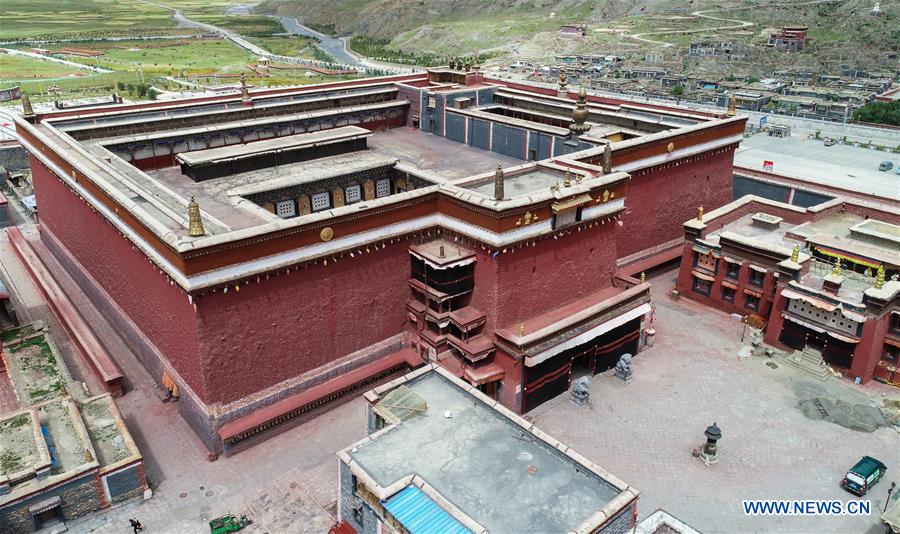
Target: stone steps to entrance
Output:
[(810, 362)]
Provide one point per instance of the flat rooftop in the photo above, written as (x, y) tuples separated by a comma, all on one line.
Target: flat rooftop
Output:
[(845, 166), (495, 471), (520, 184), (763, 236)]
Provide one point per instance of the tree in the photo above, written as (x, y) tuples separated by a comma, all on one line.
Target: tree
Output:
[(879, 113), (678, 90)]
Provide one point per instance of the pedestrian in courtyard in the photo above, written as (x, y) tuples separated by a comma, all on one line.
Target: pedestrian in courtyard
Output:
[(136, 525)]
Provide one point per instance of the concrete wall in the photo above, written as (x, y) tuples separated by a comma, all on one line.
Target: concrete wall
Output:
[(661, 199)]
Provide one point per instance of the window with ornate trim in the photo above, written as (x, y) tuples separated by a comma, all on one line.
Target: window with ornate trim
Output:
[(751, 302), (701, 286), (706, 261), (757, 278), (732, 269), (727, 294)]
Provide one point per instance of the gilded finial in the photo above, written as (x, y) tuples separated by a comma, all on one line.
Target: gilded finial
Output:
[(836, 270), (607, 158), (879, 277), (700, 214), (643, 276), (732, 106), (498, 183), (563, 82), (795, 254), (245, 95), (580, 115), (578, 177), (27, 110), (567, 179), (195, 223), (521, 329)]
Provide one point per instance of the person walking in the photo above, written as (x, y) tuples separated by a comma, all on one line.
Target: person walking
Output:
[(136, 525)]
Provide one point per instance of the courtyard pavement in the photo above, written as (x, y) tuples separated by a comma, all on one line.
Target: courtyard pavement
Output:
[(643, 433)]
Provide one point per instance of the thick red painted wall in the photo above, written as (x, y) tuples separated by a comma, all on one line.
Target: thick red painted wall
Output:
[(279, 328), (659, 202), (529, 281), (159, 309)]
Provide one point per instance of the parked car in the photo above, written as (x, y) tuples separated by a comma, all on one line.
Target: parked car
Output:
[(862, 476), (829, 141), (886, 165)]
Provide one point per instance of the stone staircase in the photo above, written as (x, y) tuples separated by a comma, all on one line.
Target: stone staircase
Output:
[(810, 361)]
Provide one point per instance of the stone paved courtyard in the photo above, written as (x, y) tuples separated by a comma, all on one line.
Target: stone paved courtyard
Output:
[(643, 433)]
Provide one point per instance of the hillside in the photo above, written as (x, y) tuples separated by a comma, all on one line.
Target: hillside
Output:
[(840, 30)]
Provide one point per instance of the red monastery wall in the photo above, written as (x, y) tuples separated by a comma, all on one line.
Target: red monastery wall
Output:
[(292, 323), (526, 282), (661, 200), (159, 309)]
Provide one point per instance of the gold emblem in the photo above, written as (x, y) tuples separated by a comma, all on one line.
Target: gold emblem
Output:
[(670, 147), (605, 195), (326, 234), (527, 217)]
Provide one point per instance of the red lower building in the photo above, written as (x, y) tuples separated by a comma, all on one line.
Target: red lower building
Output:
[(269, 255), (821, 279)]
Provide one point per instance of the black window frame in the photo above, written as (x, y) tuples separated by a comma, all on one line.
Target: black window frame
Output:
[(737, 270), (748, 298), (696, 286), (726, 289), (753, 281)]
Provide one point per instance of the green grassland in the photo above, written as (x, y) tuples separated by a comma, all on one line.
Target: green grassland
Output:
[(20, 68), (195, 57), (59, 19), (283, 45)]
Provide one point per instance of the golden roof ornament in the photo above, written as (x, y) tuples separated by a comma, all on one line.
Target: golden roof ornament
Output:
[(245, 95), (732, 105), (521, 329), (567, 179), (836, 270), (27, 110), (580, 115), (795, 254), (879, 277), (195, 223), (563, 82), (607, 158), (700, 214), (643, 276), (498, 183)]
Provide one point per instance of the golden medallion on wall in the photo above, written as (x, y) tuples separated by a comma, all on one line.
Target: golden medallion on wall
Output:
[(326, 234), (670, 147)]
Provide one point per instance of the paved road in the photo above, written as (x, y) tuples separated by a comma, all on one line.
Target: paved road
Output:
[(335, 47)]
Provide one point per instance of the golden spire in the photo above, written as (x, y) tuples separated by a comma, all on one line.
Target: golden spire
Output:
[(732, 105), (195, 223), (879, 277), (836, 270), (643, 276), (521, 329), (700, 214), (498, 183), (563, 82), (795, 254), (245, 95), (580, 115), (607, 158), (27, 110), (567, 180)]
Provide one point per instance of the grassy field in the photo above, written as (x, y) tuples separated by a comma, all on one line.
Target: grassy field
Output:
[(19, 68), (60, 19), (195, 57), (283, 45)]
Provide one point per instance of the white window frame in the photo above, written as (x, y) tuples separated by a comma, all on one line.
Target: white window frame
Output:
[(316, 201), (286, 208), (352, 194), (383, 188)]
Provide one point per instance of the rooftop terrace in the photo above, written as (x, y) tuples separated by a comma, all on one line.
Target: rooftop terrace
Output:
[(496, 470)]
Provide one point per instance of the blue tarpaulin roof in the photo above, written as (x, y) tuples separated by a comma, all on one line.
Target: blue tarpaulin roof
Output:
[(421, 515)]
